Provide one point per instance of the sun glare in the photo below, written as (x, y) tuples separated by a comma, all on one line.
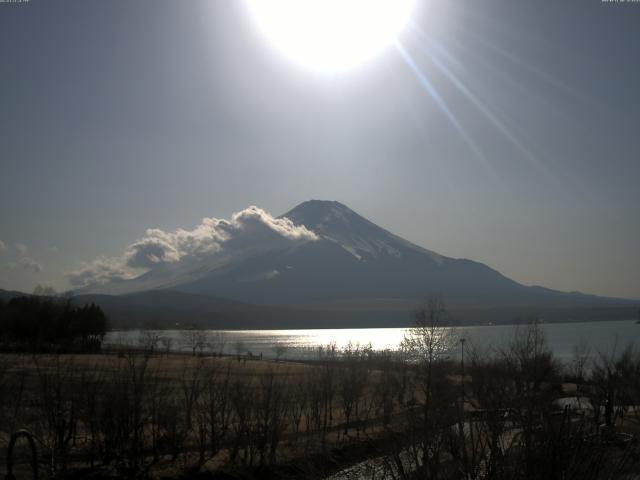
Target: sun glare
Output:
[(331, 35)]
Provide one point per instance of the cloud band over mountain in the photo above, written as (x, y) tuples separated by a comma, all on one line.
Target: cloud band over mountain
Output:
[(250, 228)]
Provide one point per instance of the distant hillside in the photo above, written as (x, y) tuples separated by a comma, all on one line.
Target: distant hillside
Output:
[(7, 295), (167, 309), (170, 309)]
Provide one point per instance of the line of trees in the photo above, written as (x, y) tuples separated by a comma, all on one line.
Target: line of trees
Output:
[(41, 324), (423, 412), (500, 417)]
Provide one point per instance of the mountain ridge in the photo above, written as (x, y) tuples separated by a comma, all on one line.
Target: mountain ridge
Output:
[(348, 261)]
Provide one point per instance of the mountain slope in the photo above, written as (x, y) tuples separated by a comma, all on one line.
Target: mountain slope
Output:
[(350, 264), (355, 259)]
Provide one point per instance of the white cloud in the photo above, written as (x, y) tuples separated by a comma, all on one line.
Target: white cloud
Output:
[(53, 249), (252, 228), (3, 246), (100, 271), (156, 247), (29, 263), (21, 248)]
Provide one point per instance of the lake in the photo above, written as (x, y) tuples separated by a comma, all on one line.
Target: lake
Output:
[(298, 344)]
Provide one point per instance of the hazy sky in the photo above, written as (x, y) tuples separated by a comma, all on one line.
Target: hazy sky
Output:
[(118, 116)]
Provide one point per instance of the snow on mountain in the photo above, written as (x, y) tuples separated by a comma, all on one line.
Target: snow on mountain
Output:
[(363, 239), (318, 253)]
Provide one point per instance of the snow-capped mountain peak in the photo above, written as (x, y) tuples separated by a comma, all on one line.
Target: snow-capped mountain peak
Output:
[(319, 253), (363, 239)]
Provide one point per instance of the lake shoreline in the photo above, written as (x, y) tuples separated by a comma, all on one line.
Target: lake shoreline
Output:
[(302, 344), (347, 327)]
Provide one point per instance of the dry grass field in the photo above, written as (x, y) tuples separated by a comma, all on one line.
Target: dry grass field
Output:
[(518, 414)]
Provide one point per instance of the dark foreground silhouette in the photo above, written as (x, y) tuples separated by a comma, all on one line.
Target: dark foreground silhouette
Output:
[(514, 413), (46, 324)]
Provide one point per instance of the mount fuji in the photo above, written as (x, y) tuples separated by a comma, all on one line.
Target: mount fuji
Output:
[(349, 264)]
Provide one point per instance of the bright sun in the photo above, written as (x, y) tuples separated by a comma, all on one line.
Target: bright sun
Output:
[(331, 35)]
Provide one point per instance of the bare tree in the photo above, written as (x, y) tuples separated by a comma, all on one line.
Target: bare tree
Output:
[(428, 344), (242, 426), (279, 349), (57, 402), (614, 384), (579, 359), (148, 341), (91, 389), (239, 347), (386, 387), (429, 341), (218, 342), (216, 406), (535, 381), (298, 400), (13, 383), (271, 411), (195, 340), (352, 381), (167, 343)]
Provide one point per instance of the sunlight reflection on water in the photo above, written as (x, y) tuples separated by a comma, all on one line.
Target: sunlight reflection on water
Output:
[(562, 337)]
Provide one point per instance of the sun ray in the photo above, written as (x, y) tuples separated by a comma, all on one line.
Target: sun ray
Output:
[(488, 114), (542, 75), (445, 62), (440, 103)]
